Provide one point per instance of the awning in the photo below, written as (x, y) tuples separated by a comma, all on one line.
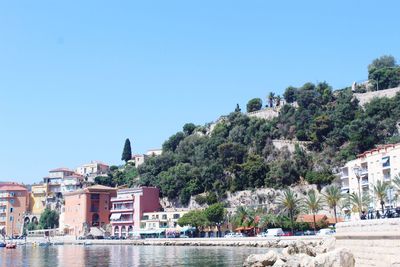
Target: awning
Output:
[(152, 232), (187, 228), (385, 160), (115, 216)]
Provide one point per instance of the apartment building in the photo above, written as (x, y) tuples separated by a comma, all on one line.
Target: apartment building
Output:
[(86, 208), (37, 199), (379, 164), (128, 208), (14, 202), (92, 170)]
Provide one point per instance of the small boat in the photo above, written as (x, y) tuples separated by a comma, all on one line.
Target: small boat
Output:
[(11, 246), (2, 245), (87, 243)]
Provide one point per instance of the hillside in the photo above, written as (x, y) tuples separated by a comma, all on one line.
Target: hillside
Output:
[(239, 154)]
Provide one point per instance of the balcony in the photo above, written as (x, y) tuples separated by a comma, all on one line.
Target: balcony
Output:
[(122, 209), (3, 219), (121, 218), (364, 183), (364, 172), (7, 195), (3, 211), (122, 198)]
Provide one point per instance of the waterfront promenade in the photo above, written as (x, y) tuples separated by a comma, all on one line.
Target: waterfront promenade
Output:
[(269, 242)]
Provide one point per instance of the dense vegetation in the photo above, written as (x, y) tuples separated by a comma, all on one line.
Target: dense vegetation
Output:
[(237, 152)]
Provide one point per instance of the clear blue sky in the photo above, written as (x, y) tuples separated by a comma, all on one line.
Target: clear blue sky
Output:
[(78, 77)]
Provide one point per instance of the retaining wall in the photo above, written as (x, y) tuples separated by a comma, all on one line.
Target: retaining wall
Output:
[(373, 242)]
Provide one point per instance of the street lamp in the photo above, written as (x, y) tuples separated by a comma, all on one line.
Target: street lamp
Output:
[(357, 172)]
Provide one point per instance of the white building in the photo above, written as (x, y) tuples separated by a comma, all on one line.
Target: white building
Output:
[(361, 174), (139, 159), (93, 169)]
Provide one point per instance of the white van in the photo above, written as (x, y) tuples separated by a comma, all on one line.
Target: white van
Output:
[(325, 231), (275, 232)]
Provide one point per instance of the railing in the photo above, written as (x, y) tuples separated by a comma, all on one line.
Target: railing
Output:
[(377, 214), (2, 210), (3, 219)]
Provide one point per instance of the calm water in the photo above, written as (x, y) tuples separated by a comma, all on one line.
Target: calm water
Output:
[(97, 256)]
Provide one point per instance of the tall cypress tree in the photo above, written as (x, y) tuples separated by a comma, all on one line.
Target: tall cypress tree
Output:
[(127, 153)]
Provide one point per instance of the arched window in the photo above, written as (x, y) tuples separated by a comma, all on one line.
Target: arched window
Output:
[(95, 219), (123, 231), (116, 231), (130, 230)]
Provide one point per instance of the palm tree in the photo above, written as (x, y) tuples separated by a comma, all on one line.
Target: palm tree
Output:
[(359, 203), (290, 203), (332, 196), (380, 191), (278, 100), (313, 204), (268, 219), (396, 181), (271, 98)]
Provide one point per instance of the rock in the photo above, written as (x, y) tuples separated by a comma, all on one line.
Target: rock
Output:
[(279, 263), (326, 245), (257, 260), (336, 258)]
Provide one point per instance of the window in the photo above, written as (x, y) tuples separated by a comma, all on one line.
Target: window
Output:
[(386, 162), (164, 217), (11, 210), (11, 201), (11, 218), (177, 216)]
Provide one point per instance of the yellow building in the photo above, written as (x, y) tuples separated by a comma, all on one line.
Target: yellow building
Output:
[(37, 197)]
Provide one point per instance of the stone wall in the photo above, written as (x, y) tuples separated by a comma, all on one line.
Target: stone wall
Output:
[(267, 113), (367, 97), (373, 242), (279, 144)]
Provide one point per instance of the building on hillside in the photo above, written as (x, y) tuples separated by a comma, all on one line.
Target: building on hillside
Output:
[(37, 199), (138, 160), (93, 169), (71, 183), (154, 152), (87, 208), (362, 174), (54, 180), (163, 223), (14, 202), (128, 208)]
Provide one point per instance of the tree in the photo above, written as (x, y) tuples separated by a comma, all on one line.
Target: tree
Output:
[(290, 94), (127, 152), (254, 104), (238, 109), (278, 100), (332, 196), (384, 73), (380, 191), (189, 128), (194, 218), (49, 219), (215, 213), (359, 203), (271, 98), (290, 203), (313, 204)]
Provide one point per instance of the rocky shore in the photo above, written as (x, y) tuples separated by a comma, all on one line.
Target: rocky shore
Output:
[(304, 254)]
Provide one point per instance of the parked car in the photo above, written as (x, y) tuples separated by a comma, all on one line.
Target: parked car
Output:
[(230, 235), (287, 234), (184, 236), (263, 234), (325, 231), (240, 235), (275, 232), (308, 232)]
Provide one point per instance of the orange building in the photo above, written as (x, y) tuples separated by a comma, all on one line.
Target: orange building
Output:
[(86, 208), (14, 202)]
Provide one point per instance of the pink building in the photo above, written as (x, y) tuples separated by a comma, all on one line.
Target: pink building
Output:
[(128, 208), (86, 208)]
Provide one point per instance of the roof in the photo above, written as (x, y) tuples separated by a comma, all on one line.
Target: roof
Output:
[(377, 149), (91, 189), (307, 218), (61, 170), (10, 186)]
